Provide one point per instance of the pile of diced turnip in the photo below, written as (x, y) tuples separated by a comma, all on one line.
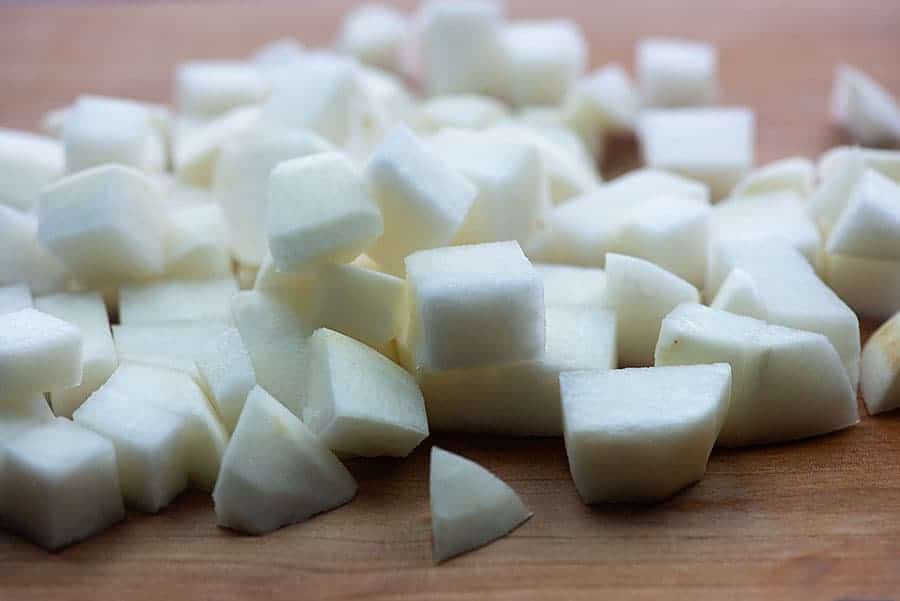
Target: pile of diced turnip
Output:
[(316, 255)]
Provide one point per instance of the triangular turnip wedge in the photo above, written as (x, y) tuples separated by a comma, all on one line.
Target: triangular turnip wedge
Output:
[(470, 507), (641, 435), (275, 471), (786, 384)]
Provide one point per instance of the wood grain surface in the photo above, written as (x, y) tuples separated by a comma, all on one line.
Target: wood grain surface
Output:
[(818, 519)]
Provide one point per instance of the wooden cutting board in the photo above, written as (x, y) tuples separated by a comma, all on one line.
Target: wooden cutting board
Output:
[(818, 519)]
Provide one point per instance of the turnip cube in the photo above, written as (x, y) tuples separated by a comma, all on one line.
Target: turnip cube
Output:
[(713, 145), (150, 446), (740, 294), (100, 130), (460, 111), (485, 292), (19, 415), (242, 179), (274, 330), (604, 101), (38, 353), (104, 224), (23, 258), (677, 72), (869, 226), (642, 294), (196, 243), (460, 46), (276, 472), (641, 435), (541, 61), (511, 182), (423, 200), (174, 300), (272, 57), (210, 88), (833, 194), (226, 369), (27, 163), (522, 398), (871, 287), (567, 285), (470, 506), (197, 150), (176, 393), (374, 34), (786, 384), (864, 108), (319, 212), (789, 293), (15, 298), (359, 402), (172, 344), (60, 484), (795, 174), (880, 383), (87, 312), (362, 303)]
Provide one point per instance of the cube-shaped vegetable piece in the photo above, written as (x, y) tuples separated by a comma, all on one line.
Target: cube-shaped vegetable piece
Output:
[(871, 287), (470, 506), (713, 145), (568, 285), (374, 34), (176, 300), (424, 201), (319, 212), (864, 108), (642, 294), (23, 258), (105, 224), (38, 353), (604, 101), (87, 312), (276, 472), (60, 484), (642, 434), (151, 446), (677, 72), (196, 244), (19, 414), (197, 148), (227, 371), (794, 174), (99, 131), (210, 88), (473, 305), (359, 402), (28, 162), (786, 384), (869, 226)]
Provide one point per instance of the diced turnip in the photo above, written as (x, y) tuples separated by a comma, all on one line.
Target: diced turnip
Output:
[(374, 34), (460, 46), (713, 145), (225, 366), (197, 150), (105, 224), (28, 162), (470, 506), (15, 298), (869, 226), (864, 108), (642, 294), (882, 160), (177, 393), (673, 72), (275, 472), (740, 294), (87, 312), (362, 303), (460, 111), (210, 88), (880, 381), (272, 57), (786, 384), (487, 291), (274, 330), (604, 101), (19, 414), (38, 353), (511, 182), (177, 300), (151, 446), (831, 197), (871, 287), (522, 398), (319, 212), (22, 257), (641, 435), (60, 484), (241, 182), (358, 401), (789, 293), (196, 243), (567, 285), (794, 174), (541, 61)]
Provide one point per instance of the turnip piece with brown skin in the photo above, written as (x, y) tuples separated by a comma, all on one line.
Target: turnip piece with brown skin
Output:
[(880, 381)]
